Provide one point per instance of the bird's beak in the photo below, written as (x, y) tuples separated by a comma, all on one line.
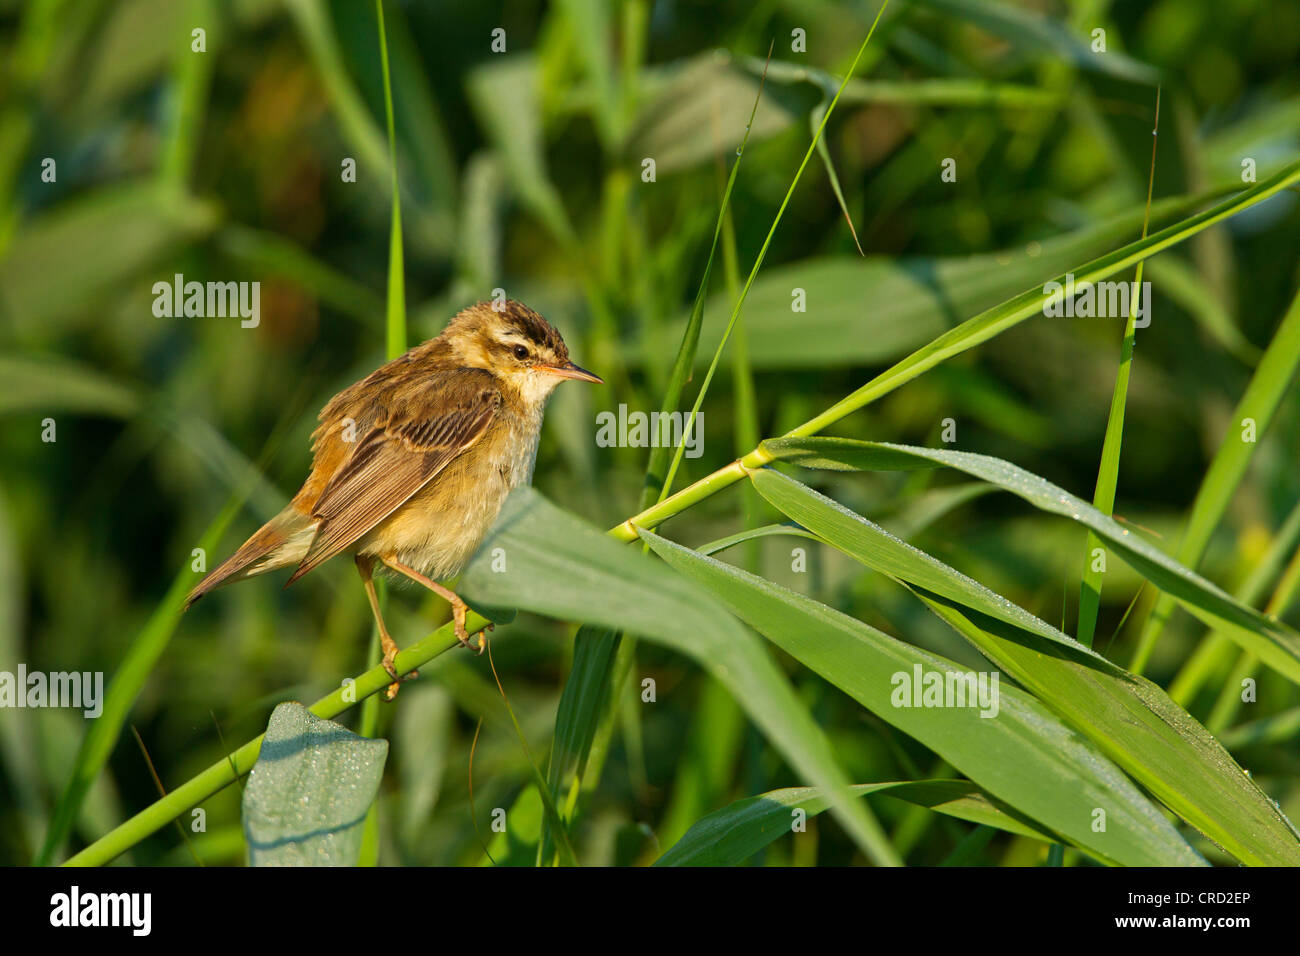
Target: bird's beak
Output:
[(569, 370)]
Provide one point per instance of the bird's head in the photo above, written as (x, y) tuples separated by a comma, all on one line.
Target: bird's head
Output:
[(516, 344)]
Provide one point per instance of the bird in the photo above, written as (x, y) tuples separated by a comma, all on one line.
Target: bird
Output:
[(410, 465)]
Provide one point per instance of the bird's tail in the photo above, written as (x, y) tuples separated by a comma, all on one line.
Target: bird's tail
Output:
[(281, 542)]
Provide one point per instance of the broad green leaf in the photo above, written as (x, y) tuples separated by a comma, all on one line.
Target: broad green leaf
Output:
[(505, 97), (94, 244), (730, 836), (698, 110), (1137, 725), (308, 794), (1130, 719), (39, 384), (1036, 34), (1023, 754), (558, 566), (1277, 644)]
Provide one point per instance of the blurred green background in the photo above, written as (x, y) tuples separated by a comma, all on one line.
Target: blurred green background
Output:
[(522, 170)]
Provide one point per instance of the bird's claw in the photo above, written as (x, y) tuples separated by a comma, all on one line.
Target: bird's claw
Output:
[(462, 635), (391, 692)]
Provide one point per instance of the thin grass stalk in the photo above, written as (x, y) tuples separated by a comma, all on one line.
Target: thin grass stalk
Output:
[(396, 324), (395, 345), (762, 254), (1108, 471)]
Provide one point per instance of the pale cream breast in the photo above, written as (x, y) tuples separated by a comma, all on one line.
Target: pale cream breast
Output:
[(441, 526)]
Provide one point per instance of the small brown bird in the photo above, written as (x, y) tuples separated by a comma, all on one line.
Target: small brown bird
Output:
[(411, 464)]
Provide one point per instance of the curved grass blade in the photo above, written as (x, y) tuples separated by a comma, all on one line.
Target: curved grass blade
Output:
[(1023, 754), (1273, 641), (1129, 718), (730, 836)]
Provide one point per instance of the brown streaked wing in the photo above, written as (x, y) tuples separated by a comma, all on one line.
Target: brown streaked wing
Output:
[(394, 461)]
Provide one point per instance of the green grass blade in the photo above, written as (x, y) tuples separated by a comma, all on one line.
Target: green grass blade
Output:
[(1024, 755), (1011, 313), (396, 314), (1128, 718), (1276, 643), (584, 699), (1103, 498)]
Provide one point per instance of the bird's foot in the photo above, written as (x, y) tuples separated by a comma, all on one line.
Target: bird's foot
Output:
[(458, 613), (390, 656)]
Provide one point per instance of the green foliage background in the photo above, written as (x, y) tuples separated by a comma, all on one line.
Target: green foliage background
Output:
[(522, 171)]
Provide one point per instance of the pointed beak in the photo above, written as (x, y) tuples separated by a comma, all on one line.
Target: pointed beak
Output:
[(569, 370)]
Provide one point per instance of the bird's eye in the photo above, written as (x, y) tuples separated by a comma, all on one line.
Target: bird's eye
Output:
[(521, 352)]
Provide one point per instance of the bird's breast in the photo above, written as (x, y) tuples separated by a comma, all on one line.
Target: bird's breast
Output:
[(442, 525)]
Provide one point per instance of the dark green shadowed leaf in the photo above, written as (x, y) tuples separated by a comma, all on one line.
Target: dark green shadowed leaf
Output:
[(307, 797), (1022, 753), (581, 705), (730, 836)]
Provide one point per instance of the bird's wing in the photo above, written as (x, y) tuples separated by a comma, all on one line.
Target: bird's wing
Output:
[(399, 456)]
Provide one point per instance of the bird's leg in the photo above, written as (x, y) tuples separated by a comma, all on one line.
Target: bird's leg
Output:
[(364, 567), (458, 607)]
